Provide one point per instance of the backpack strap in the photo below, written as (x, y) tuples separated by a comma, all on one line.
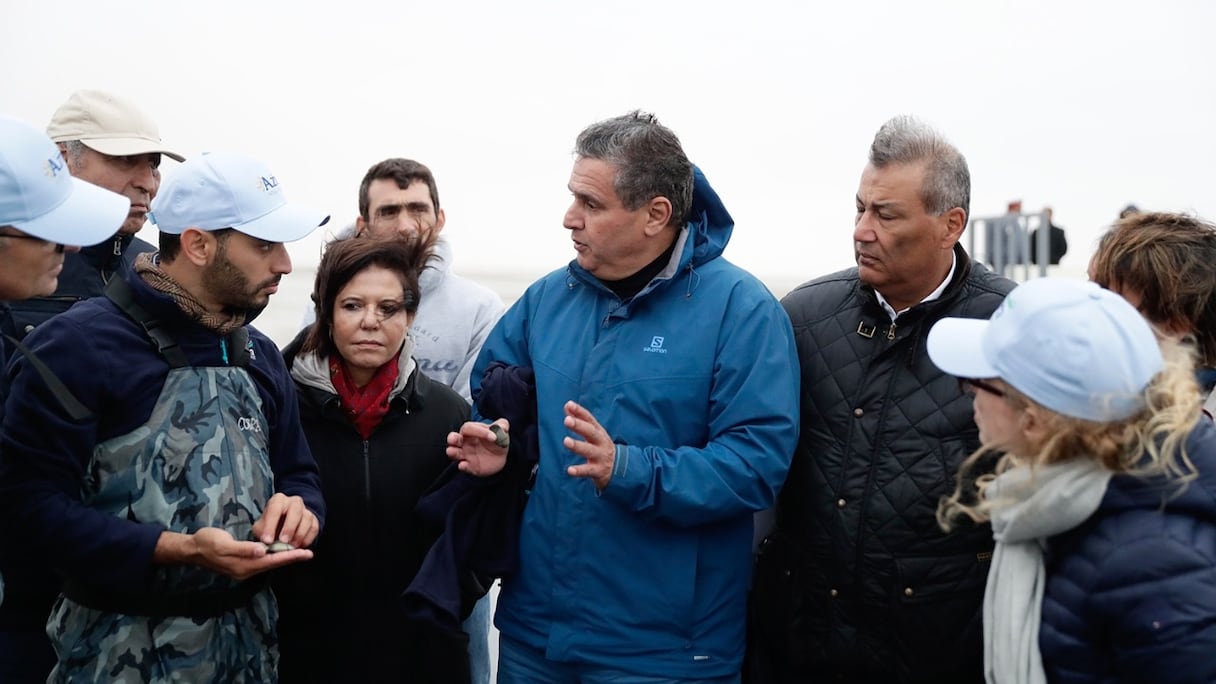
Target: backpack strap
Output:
[(119, 291), (67, 400)]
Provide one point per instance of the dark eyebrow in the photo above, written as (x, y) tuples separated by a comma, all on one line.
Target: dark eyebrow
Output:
[(879, 206), (582, 196)]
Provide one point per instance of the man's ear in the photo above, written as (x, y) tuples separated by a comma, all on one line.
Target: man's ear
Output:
[(658, 215), (360, 225), (440, 220), (199, 246), (955, 222)]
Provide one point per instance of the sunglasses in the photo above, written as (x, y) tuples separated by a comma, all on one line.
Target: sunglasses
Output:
[(58, 245), (970, 385)]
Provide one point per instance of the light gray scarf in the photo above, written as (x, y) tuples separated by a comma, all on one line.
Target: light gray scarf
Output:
[(311, 370), (1031, 507)]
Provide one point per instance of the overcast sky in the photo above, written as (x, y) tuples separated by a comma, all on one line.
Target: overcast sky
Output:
[(1084, 106)]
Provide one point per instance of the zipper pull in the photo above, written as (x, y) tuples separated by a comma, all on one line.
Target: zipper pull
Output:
[(117, 245), (891, 332), (224, 350)]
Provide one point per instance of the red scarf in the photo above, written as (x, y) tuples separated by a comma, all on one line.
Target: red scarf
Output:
[(365, 406)]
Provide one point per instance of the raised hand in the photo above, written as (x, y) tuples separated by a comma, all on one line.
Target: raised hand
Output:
[(477, 449), (596, 446)]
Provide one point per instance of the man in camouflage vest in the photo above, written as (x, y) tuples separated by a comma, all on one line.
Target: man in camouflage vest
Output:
[(157, 460)]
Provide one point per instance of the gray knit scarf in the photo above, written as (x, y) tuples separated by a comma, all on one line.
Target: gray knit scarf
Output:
[(1031, 506)]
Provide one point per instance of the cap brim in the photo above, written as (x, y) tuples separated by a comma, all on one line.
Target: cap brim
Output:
[(122, 147), (287, 223), (89, 215), (956, 346)]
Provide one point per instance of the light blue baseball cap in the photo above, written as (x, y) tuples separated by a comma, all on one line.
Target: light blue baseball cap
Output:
[(39, 196), (216, 190), (1069, 345)]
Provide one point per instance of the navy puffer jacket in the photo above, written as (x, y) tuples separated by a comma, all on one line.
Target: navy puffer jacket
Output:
[(1131, 594)]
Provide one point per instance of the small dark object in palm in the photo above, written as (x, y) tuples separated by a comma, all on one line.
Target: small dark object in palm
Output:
[(501, 438)]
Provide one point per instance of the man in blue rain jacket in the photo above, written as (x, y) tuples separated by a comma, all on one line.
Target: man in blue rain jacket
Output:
[(667, 404)]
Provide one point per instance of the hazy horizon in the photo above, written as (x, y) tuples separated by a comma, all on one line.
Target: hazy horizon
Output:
[(1083, 106), (283, 317)]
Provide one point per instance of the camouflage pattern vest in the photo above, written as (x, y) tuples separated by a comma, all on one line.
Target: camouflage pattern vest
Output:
[(200, 460)]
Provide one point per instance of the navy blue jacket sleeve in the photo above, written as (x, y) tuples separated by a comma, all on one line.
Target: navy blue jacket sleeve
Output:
[(43, 458)]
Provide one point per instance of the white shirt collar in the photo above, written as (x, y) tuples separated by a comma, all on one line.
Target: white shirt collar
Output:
[(928, 298)]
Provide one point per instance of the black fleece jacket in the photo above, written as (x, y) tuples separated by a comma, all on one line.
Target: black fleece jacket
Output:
[(341, 617)]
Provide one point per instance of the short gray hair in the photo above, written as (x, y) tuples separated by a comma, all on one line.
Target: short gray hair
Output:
[(75, 150), (648, 158), (947, 184)]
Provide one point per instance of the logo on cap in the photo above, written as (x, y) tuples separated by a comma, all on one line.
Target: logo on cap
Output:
[(269, 183), (53, 166)]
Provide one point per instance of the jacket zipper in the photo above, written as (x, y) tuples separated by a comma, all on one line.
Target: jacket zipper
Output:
[(106, 275), (367, 477)]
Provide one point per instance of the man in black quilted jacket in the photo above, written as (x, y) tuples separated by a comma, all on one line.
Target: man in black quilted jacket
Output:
[(856, 582)]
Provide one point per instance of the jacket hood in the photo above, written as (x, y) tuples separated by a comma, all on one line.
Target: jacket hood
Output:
[(437, 267), (709, 223)]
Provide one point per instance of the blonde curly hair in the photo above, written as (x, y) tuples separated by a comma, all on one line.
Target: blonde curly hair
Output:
[(1150, 443)]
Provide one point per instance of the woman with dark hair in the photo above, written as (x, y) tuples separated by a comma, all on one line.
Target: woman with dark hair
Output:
[(1103, 498), (378, 429)]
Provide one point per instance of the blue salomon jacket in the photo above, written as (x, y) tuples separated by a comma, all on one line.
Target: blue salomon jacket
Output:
[(112, 367), (696, 380), (1131, 593)]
